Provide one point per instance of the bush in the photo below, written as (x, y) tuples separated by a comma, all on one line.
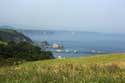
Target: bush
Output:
[(24, 51)]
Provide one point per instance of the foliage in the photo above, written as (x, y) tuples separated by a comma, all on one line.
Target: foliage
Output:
[(24, 51), (2, 42)]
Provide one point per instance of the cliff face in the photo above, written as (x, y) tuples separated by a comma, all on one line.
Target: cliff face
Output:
[(13, 35)]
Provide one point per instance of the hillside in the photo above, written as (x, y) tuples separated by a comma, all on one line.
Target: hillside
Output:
[(7, 34), (107, 68)]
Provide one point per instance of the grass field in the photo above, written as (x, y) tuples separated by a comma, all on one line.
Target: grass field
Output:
[(107, 68)]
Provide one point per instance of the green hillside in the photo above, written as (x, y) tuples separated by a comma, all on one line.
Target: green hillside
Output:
[(107, 68), (8, 31), (9, 34)]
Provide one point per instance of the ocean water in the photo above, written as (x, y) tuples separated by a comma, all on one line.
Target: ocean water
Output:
[(81, 41)]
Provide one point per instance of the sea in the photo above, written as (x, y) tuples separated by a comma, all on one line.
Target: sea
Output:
[(88, 43)]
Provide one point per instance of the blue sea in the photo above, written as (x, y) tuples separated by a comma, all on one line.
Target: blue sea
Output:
[(81, 41)]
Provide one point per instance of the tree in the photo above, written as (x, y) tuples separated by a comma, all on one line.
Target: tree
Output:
[(25, 51)]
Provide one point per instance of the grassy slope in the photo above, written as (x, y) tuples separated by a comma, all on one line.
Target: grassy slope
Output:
[(89, 69), (98, 59), (11, 31), (12, 35)]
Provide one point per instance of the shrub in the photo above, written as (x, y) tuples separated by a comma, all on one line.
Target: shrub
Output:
[(24, 50)]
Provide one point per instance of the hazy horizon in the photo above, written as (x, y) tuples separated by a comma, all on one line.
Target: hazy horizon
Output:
[(22, 27), (77, 15)]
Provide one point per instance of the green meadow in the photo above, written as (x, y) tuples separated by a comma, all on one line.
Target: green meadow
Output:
[(103, 68)]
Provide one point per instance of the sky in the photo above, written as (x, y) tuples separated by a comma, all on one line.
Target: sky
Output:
[(85, 15)]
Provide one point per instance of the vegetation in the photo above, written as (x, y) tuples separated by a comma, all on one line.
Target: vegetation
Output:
[(8, 31), (14, 46), (2, 42), (14, 52), (23, 51), (108, 68), (12, 35)]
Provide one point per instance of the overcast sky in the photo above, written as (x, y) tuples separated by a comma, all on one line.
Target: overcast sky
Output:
[(86, 15)]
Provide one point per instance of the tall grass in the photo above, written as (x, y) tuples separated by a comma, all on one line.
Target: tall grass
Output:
[(63, 73), (109, 68)]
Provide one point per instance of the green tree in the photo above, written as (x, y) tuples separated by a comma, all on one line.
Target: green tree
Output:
[(25, 51)]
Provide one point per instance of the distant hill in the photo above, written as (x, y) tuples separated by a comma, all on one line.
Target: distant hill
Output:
[(9, 34)]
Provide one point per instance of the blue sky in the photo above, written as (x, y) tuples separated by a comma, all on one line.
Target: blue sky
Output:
[(86, 15)]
